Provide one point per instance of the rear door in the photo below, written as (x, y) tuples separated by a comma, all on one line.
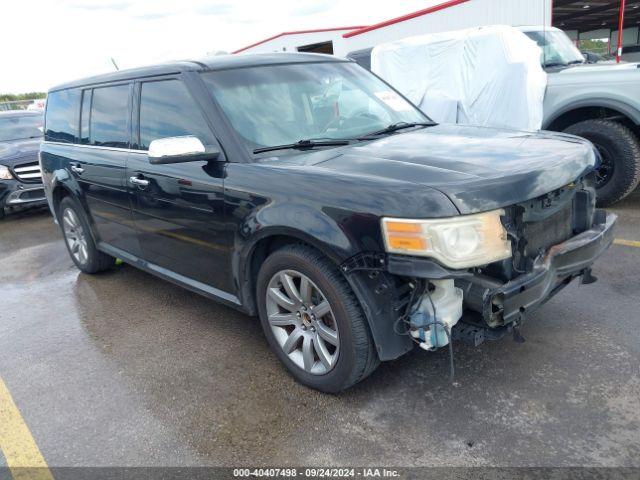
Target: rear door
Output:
[(179, 213), (100, 160)]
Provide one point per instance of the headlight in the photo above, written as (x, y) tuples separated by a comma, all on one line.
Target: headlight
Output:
[(5, 174), (457, 242)]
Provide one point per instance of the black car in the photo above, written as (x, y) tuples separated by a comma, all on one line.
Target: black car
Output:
[(20, 180), (304, 189)]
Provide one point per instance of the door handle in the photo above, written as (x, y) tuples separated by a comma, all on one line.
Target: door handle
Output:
[(141, 182), (77, 169)]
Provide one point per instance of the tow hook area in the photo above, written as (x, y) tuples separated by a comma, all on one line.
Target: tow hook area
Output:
[(437, 311)]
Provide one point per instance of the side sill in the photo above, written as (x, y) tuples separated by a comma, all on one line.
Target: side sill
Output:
[(180, 280)]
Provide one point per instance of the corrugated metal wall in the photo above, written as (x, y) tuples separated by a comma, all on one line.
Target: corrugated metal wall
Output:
[(469, 14)]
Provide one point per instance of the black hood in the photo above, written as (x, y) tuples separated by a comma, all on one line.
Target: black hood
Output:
[(15, 152), (478, 168)]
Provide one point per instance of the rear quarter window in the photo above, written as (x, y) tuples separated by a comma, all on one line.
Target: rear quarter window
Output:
[(61, 119)]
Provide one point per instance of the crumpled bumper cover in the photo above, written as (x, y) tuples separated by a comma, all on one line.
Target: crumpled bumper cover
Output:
[(509, 302)]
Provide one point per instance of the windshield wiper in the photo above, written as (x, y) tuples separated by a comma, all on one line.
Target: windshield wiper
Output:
[(304, 144), (394, 127)]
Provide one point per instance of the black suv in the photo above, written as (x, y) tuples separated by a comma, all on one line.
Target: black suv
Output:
[(20, 181), (304, 189)]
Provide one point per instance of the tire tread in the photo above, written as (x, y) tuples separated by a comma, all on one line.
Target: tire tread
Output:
[(624, 139), (366, 356)]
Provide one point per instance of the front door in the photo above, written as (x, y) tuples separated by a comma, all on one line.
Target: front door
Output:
[(178, 208)]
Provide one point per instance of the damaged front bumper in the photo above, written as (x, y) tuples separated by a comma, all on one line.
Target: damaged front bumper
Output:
[(491, 305), (382, 283)]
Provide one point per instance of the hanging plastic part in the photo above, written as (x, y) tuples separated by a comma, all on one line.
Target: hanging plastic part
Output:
[(517, 336), (438, 311), (435, 313)]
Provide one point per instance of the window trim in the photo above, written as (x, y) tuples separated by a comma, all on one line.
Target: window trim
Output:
[(82, 96), (136, 143), (130, 84)]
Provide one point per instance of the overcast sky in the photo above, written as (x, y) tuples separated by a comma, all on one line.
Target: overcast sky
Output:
[(45, 42)]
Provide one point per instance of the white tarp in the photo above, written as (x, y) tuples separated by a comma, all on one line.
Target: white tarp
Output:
[(487, 76)]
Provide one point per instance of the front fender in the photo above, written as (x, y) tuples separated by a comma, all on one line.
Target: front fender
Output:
[(322, 231), (329, 233)]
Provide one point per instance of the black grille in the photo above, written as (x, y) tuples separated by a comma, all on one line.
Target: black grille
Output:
[(542, 234), (28, 172)]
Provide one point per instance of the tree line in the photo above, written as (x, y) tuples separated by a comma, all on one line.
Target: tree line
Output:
[(10, 97)]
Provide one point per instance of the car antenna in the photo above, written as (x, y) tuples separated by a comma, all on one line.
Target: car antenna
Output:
[(115, 64)]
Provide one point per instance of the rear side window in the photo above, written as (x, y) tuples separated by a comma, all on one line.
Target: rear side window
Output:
[(63, 108), (168, 110), (108, 125)]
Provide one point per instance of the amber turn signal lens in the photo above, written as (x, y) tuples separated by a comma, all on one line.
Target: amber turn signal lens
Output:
[(407, 243), (403, 227)]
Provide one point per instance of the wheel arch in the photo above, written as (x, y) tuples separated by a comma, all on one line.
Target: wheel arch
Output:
[(58, 192), (61, 185), (261, 246), (376, 306), (591, 109)]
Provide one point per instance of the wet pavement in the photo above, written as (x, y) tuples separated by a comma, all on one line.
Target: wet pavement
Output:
[(124, 369)]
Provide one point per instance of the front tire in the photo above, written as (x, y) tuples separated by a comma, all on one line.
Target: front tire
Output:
[(78, 239), (619, 172), (313, 321)]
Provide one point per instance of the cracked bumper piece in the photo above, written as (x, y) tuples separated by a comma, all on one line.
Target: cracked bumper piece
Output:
[(502, 304)]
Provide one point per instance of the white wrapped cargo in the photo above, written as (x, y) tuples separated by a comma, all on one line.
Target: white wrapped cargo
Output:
[(488, 76)]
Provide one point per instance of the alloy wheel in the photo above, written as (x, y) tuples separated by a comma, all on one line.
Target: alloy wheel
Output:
[(75, 236), (302, 322)]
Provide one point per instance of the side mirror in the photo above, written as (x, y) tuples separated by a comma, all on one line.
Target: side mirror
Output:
[(179, 150)]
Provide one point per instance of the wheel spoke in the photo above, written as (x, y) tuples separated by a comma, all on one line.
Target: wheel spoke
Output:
[(322, 309), (307, 354), (305, 290), (290, 288), (283, 319), (281, 299), (327, 333), (322, 352), (292, 342), (301, 319)]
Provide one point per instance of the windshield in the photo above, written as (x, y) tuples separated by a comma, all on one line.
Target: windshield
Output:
[(17, 127), (283, 104), (557, 48)]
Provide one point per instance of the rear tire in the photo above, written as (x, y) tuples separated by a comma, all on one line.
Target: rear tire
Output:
[(619, 148), (353, 357), (78, 239)]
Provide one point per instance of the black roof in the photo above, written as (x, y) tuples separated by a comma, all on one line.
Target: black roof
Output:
[(221, 62)]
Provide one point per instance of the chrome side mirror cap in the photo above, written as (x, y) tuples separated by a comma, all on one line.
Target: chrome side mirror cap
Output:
[(180, 149)]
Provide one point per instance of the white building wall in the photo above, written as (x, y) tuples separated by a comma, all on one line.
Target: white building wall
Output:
[(472, 13), (290, 43), (629, 37), (465, 15)]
